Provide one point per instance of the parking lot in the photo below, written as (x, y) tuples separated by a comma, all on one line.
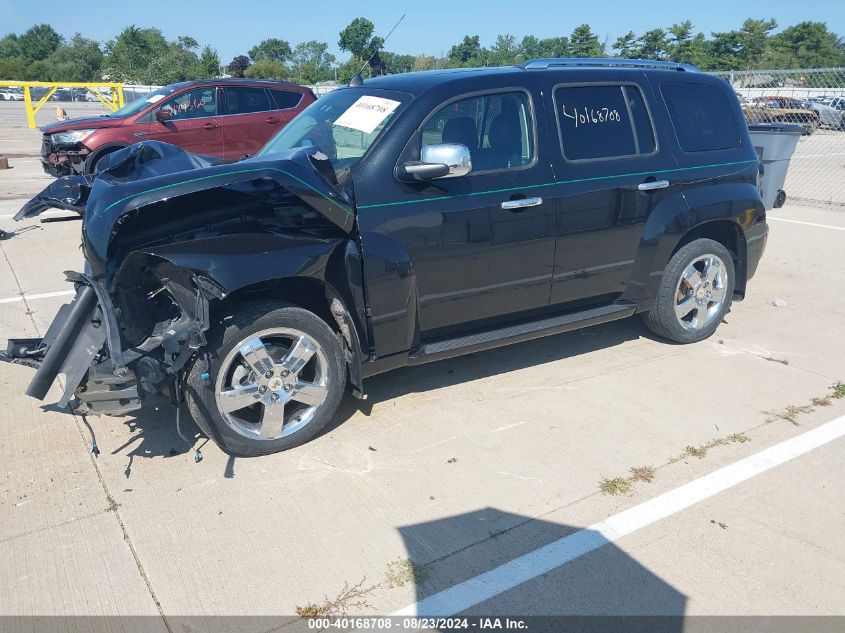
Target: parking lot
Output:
[(455, 472)]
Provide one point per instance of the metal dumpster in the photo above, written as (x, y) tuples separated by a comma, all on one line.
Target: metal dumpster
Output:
[(775, 144)]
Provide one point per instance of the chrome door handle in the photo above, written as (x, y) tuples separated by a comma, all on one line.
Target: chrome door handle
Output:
[(652, 185), (522, 203), (210, 126)]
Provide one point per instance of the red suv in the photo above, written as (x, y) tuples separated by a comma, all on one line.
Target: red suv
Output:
[(227, 118)]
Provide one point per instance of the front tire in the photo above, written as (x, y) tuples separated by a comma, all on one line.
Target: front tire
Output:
[(695, 293), (270, 378)]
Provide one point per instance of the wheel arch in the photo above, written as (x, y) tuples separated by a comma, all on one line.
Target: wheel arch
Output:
[(315, 295), (730, 235)]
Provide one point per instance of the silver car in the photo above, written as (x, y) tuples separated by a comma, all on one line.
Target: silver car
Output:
[(831, 112)]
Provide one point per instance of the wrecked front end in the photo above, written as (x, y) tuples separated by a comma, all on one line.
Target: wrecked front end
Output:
[(85, 342), (167, 237)]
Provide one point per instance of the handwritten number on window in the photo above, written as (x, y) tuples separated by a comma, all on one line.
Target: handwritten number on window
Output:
[(589, 116)]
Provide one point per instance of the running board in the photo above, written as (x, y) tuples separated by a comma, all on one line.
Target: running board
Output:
[(447, 348)]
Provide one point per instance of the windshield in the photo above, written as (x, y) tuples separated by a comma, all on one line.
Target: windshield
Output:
[(148, 99), (342, 124)]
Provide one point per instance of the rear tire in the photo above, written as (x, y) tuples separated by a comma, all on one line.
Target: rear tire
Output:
[(695, 293), (270, 378)]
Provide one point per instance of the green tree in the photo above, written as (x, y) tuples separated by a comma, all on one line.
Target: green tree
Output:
[(39, 70), (653, 45), (680, 41), (504, 51), (312, 62), (394, 63), (175, 63), (272, 49), (555, 47), (187, 42), (38, 42), (208, 64), (9, 46), (724, 49), (423, 62), (347, 70), (808, 45), (267, 69), (468, 53), (129, 55), (238, 65), (626, 45), (357, 38), (698, 53), (79, 60), (754, 42), (584, 43), (12, 68)]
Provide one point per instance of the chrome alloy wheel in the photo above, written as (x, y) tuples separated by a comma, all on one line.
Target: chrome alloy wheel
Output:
[(701, 292), (272, 383)]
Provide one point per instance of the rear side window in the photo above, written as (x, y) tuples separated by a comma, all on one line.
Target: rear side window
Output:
[(702, 117), (602, 122), (285, 99), (243, 100)]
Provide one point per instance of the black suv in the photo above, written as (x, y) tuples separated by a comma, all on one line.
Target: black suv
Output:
[(398, 221)]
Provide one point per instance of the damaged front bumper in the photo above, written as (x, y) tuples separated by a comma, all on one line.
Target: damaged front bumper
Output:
[(63, 160), (83, 343)]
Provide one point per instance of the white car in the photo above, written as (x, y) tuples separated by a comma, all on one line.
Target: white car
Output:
[(11, 95)]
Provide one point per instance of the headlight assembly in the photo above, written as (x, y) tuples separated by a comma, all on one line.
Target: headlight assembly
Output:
[(70, 137)]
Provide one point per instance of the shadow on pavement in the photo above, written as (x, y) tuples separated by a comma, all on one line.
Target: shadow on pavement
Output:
[(599, 579)]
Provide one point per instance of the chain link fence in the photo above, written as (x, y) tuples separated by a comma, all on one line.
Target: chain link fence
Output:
[(814, 99)]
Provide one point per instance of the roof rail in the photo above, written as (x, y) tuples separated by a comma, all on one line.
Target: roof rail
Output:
[(551, 62)]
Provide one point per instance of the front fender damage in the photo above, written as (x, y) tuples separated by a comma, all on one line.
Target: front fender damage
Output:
[(143, 310)]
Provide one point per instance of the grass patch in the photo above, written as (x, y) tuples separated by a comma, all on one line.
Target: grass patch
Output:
[(643, 473), (838, 390), (821, 402), (615, 486), (350, 597), (402, 571), (696, 451), (738, 438), (789, 414)]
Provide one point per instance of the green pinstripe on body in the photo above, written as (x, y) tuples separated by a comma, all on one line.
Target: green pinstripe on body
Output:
[(430, 199), (228, 173), (557, 182)]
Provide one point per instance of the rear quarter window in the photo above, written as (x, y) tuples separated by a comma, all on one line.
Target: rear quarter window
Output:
[(601, 122), (285, 99), (702, 117)]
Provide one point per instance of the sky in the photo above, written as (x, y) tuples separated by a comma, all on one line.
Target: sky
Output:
[(429, 27)]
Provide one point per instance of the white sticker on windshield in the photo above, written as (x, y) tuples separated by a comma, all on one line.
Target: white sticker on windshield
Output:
[(155, 98), (367, 113)]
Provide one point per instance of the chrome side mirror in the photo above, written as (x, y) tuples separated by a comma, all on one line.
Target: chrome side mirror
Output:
[(441, 160)]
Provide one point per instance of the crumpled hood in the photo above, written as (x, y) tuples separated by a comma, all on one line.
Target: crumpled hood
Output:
[(87, 123), (149, 172)]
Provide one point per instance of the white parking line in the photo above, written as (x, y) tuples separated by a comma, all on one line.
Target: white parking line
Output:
[(43, 295), (540, 561), (821, 226)]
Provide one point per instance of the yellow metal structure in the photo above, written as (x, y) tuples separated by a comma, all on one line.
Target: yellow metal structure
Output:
[(112, 102)]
